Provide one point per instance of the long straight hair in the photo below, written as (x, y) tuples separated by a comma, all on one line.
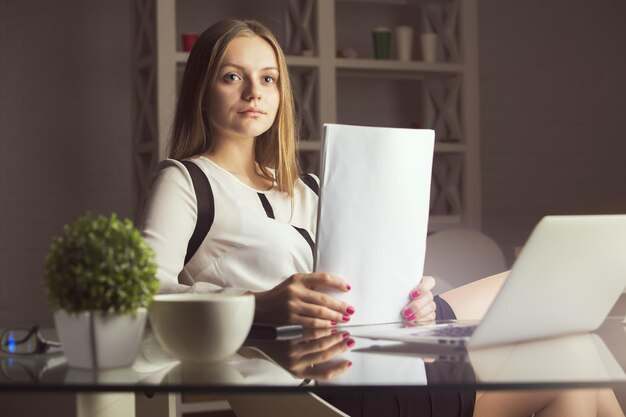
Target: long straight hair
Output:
[(191, 133)]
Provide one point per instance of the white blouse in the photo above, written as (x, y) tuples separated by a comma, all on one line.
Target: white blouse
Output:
[(245, 249)]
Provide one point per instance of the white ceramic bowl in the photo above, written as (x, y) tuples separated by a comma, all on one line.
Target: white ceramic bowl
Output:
[(201, 327)]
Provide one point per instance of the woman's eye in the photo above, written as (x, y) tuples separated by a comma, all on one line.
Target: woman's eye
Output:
[(269, 79), (232, 77)]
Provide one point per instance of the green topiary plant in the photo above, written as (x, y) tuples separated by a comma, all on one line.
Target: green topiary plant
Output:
[(100, 263)]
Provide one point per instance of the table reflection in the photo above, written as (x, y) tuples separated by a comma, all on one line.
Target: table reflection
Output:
[(315, 355), (562, 360), (30, 369), (343, 357)]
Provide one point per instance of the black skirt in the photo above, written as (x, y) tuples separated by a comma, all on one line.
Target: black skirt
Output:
[(405, 403)]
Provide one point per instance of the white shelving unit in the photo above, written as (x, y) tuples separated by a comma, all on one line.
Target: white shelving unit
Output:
[(441, 95)]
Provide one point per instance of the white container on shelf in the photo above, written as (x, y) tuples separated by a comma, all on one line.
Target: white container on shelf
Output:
[(429, 46), (404, 42)]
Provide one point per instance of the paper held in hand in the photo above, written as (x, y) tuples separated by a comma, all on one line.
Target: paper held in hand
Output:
[(373, 215)]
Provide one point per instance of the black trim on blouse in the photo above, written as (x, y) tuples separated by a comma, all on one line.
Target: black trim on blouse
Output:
[(311, 183), (206, 208), (266, 205), (270, 213), (306, 237)]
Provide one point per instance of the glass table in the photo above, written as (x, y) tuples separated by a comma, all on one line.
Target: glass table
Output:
[(276, 373)]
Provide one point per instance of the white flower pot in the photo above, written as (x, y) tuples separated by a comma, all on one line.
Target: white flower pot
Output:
[(92, 340)]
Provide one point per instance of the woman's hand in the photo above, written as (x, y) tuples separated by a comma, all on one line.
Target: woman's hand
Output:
[(313, 356), (297, 300), (421, 307)]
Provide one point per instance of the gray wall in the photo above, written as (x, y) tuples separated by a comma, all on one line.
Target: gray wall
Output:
[(553, 100), (65, 129)]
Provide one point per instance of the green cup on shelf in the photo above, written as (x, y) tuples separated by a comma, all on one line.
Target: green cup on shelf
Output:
[(382, 42)]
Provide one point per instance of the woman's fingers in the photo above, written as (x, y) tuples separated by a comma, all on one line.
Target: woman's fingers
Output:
[(322, 279), (318, 363), (310, 322), (307, 347), (423, 302), (319, 304), (420, 309), (345, 343), (297, 300), (422, 306), (426, 284), (319, 311), (325, 371), (431, 317), (313, 334)]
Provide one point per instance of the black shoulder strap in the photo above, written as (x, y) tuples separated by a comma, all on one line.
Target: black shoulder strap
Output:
[(206, 208), (311, 183)]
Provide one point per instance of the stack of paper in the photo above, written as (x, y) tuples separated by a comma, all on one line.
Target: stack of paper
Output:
[(373, 215)]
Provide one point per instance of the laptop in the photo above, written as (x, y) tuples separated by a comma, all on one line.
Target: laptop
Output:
[(567, 278)]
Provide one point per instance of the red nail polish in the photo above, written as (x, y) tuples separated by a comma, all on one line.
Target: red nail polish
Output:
[(346, 335), (411, 317), (415, 294), (348, 287), (333, 323), (346, 318), (407, 312), (350, 342), (349, 364), (350, 310), (333, 331)]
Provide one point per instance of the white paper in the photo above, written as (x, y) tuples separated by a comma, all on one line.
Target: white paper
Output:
[(373, 215)]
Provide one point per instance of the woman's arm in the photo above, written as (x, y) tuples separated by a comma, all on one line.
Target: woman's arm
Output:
[(169, 219)]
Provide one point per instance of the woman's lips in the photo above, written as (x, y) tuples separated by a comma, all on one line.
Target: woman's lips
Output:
[(251, 111)]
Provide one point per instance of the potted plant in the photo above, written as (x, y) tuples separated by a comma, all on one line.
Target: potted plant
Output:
[(100, 276)]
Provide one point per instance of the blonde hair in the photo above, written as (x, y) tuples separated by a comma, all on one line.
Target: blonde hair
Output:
[(191, 132)]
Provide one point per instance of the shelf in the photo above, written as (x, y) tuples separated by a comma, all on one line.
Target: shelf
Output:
[(181, 57), (302, 61), (309, 145), (292, 60), (397, 3), (393, 65), (385, 65)]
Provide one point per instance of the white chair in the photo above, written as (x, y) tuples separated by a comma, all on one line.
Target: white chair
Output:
[(459, 256)]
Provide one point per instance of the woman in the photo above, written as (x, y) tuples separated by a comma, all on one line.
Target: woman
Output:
[(235, 121)]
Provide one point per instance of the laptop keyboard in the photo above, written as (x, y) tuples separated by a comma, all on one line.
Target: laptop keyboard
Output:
[(450, 331)]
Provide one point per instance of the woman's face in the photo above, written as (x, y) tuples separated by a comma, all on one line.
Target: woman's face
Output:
[(244, 100)]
